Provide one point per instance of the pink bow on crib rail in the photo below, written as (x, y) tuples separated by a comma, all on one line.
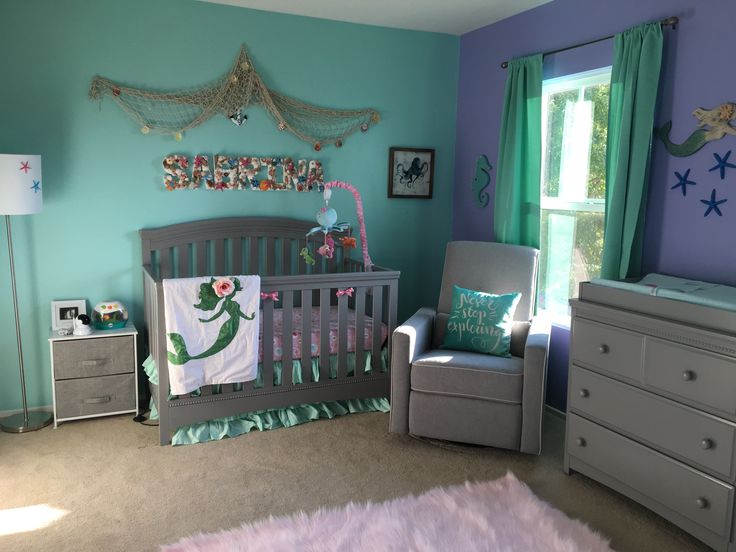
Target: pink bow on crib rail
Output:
[(273, 296), (347, 291)]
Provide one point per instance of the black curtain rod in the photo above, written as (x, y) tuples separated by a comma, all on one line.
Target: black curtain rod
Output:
[(670, 21)]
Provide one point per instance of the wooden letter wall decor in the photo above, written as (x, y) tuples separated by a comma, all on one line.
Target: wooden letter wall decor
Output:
[(242, 173)]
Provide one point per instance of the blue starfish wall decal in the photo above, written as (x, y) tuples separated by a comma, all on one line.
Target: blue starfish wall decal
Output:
[(683, 181), (722, 163), (713, 204)]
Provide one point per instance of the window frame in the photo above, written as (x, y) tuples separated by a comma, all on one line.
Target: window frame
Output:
[(555, 85)]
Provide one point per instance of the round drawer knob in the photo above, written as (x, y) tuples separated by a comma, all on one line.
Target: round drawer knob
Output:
[(688, 375), (584, 393), (603, 349), (707, 444), (702, 503), (580, 442)]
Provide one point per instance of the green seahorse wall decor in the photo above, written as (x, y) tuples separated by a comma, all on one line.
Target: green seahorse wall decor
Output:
[(208, 301), (481, 180), (718, 119)]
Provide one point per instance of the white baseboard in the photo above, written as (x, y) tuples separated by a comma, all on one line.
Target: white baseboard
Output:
[(6, 413), (552, 410)]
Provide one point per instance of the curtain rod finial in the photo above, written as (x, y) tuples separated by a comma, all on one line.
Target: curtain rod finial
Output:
[(504, 64), (673, 21)]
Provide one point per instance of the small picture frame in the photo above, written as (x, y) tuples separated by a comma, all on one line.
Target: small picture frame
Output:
[(63, 313), (410, 172)]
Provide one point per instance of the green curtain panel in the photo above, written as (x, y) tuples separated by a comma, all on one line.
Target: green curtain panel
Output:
[(516, 207), (634, 83)]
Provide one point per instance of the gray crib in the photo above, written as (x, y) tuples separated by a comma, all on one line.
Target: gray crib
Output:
[(270, 247)]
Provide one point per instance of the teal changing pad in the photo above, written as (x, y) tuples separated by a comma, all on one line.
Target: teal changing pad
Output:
[(232, 426), (680, 289)]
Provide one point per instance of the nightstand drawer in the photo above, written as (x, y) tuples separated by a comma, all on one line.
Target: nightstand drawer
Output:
[(699, 376), (671, 427), (607, 348), (101, 356), (679, 488), (92, 396)]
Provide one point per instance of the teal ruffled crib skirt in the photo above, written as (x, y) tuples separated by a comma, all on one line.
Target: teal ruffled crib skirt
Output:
[(232, 426)]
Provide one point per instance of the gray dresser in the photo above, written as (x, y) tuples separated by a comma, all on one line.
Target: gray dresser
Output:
[(652, 406), (94, 375)]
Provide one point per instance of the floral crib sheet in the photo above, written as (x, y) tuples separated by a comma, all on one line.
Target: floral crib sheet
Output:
[(296, 325)]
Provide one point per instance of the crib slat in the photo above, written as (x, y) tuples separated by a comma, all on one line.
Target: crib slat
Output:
[(306, 356), (287, 301), (220, 257), (237, 258), (324, 334), (254, 255), (205, 390), (201, 268), (183, 261), (227, 388), (393, 298), (359, 332), (267, 366), (165, 263), (342, 336), (377, 316), (270, 256), (286, 257)]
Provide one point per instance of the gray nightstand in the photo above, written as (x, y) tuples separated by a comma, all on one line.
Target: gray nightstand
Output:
[(94, 375)]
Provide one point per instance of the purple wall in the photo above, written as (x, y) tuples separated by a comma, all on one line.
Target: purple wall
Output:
[(697, 71)]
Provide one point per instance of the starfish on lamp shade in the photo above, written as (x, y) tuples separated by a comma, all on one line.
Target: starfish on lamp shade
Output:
[(36, 186), (683, 181), (25, 166), (713, 204), (722, 163)]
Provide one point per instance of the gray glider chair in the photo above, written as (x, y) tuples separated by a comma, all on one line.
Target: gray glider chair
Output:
[(472, 397)]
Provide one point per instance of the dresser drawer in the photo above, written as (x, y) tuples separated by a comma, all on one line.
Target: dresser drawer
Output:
[(693, 374), (93, 396), (101, 356), (667, 425), (607, 348), (679, 488)]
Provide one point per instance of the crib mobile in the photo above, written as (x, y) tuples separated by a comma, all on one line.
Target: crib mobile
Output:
[(327, 220)]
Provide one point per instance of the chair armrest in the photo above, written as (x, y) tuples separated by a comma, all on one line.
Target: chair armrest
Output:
[(408, 341), (535, 382)]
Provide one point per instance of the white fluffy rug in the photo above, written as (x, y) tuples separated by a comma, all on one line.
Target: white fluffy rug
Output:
[(499, 516)]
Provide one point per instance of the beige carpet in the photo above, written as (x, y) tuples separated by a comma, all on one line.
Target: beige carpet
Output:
[(121, 491)]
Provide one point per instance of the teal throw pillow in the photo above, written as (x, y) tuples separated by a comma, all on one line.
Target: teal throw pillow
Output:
[(481, 322)]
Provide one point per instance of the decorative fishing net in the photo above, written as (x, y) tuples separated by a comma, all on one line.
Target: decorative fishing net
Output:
[(174, 112)]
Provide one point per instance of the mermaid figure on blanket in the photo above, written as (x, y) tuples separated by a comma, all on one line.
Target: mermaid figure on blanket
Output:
[(210, 294)]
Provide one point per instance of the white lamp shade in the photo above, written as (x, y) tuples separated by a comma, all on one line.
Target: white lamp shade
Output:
[(21, 191)]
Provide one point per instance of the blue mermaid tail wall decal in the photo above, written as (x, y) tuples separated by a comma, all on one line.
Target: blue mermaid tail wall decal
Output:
[(718, 120)]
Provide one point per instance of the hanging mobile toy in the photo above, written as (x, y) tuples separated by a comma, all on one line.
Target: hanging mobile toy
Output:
[(327, 219)]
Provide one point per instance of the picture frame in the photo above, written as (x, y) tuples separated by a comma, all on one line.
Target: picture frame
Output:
[(410, 172), (64, 312)]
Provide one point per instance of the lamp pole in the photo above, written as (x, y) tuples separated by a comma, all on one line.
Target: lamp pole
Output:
[(23, 421)]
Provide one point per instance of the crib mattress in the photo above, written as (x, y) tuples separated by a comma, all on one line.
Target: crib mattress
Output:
[(315, 337)]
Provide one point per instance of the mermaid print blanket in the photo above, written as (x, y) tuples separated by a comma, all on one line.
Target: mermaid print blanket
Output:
[(212, 330)]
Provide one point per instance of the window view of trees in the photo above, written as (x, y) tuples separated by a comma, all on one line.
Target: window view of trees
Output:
[(562, 269)]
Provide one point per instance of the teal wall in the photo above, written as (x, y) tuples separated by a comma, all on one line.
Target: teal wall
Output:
[(102, 178)]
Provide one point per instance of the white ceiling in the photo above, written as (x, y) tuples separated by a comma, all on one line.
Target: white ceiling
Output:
[(441, 16)]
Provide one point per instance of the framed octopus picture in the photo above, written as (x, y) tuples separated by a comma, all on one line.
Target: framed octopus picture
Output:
[(410, 172)]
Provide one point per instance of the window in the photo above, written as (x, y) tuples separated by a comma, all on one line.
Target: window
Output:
[(573, 186)]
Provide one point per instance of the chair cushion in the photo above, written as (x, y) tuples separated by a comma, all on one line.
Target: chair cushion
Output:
[(471, 375), (480, 322)]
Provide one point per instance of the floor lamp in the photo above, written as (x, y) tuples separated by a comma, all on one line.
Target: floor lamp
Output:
[(20, 194)]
